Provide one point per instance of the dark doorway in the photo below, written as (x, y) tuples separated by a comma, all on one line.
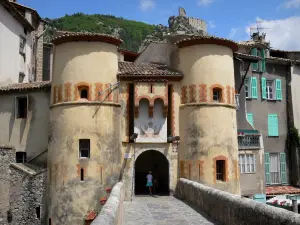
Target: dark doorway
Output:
[(159, 165)]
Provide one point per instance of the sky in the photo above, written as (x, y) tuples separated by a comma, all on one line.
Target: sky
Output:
[(225, 18)]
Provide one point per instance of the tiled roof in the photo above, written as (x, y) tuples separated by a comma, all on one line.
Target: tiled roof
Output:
[(252, 43), (277, 190), (282, 60), (247, 56), (25, 86), (278, 50), (67, 36), (26, 7), (16, 14), (146, 70), (193, 40)]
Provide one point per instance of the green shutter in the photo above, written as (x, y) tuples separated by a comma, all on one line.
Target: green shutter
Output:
[(254, 52), (263, 87), (263, 63), (267, 168), (250, 118), (283, 168), (254, 87), (278, 89), (273, 125)]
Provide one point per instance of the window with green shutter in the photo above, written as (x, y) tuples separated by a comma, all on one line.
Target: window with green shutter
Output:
[(267, 168), (278, 89), (254, 52), (273, 125), (263, 87), (283, 168), (254, 87), (250, 118), (263, 62)]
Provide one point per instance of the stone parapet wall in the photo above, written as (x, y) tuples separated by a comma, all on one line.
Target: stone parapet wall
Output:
[(232, 209), (112, 212)]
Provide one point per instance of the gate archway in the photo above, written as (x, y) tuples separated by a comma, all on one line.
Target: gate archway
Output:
[(156, 162)]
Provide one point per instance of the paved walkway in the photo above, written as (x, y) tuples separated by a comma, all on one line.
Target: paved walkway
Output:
[(159, 210)]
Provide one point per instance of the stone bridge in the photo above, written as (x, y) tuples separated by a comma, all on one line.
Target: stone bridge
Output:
[(196, 204)]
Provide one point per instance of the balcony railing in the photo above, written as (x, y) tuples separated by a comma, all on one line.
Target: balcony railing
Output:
[(249, 142)]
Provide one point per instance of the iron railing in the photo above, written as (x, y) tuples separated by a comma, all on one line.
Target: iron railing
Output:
[(249, 142)]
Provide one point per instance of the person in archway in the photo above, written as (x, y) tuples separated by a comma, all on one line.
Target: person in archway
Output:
[(149, 181)]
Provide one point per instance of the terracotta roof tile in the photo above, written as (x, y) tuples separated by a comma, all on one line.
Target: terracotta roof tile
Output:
[(25, 86), (282, 60), (145, 70), (67, 36), (247, 56), (277, 190), (192, 40), (252, 43)]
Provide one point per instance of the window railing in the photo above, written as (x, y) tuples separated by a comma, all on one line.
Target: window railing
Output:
[(249, 142)]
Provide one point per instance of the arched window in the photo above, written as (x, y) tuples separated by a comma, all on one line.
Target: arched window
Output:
[(84, 93), (217, 94)]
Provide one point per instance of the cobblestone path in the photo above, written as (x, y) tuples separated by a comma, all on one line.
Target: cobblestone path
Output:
[(159, 210)]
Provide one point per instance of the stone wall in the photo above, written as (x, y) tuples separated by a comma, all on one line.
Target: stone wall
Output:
[(112, 212), (232, 209), (27, 194)]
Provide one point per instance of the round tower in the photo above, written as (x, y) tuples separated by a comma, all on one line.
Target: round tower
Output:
[(208, 131), (84, 154)]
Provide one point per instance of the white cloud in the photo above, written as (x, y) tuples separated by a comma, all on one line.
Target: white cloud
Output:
[(233, 32), (291, 4), (282, 34), (146, 5), (211, 24), (204, 2)]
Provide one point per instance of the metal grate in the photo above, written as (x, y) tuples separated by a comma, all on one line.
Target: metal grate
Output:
[(248, 142)]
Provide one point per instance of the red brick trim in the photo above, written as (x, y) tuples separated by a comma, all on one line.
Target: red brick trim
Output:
[(59, 97), (222, 100), (109, 95), (183, 95), (228, 94), (67, 92), (173, 110), (220, 157), (54, 91), (202, 93), (192, 93), (127, 112), (233, 94), (98, 89), (80, 86)]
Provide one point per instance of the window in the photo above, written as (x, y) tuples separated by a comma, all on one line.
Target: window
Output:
[(247, 163), (247, 88), (22, 45), (261, 65), (273, 125), (254, 87), (49, 223), (21, 77), (275, 168), (220, 170), (20, 157), (21, 107), (250, 119), (84, 148), (84, 93), (217, 94), (269, 89), (82, 174), (38, 212)]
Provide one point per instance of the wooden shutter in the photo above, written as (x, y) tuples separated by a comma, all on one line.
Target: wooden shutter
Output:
[(275, 122), (263, 87), (270, 125), (254, 87), (283, 168), (278, 89), (250, 118), (263, 63), (254, 52), (267, 168), (273, 125)]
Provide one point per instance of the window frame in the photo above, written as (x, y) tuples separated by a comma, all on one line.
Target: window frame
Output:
[(17, 114), (273, 88), (219, 94), (22, 45), (247, 85), (24, 157), (278, 167), (88, 149), (223, 173), (246, 163)]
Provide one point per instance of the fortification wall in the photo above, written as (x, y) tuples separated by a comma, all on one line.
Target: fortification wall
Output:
[(232, 209)]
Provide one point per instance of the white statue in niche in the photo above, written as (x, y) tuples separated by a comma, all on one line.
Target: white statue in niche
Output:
[(150, 129)]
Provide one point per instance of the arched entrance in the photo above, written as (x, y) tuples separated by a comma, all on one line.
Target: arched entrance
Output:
[(159, 165)]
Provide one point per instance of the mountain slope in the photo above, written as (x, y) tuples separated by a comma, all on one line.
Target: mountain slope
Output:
[(131, 32)]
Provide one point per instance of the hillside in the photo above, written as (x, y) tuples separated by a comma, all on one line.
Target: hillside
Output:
[(131, 32)]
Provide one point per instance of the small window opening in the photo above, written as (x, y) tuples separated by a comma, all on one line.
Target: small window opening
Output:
[(20, 157), (220, 170), (82, 174), (49, 221), (9, 216), (38, 212), (84, 93), (217, 94), (151, 88), (84, 148), (22, 107)]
